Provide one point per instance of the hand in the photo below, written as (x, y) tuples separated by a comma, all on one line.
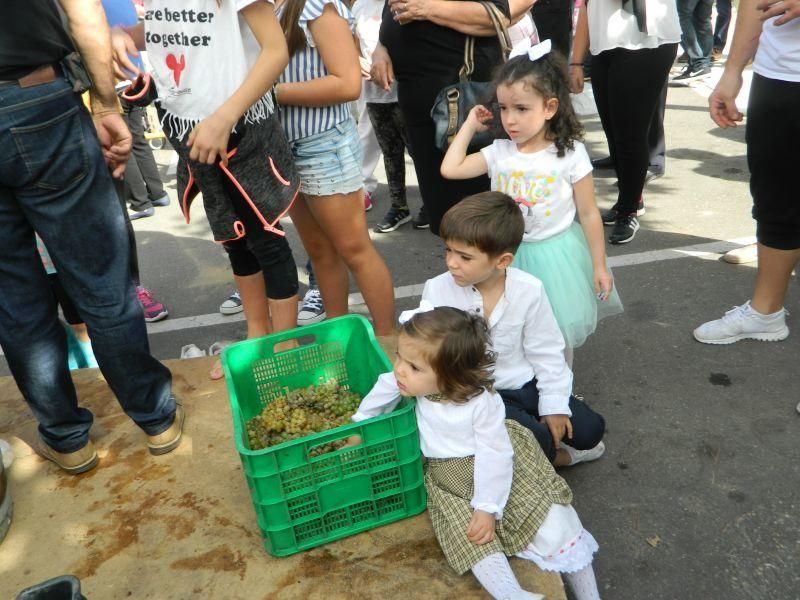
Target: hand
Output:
[(353, 440), (575, 79), (122, 45), (365, 67), (722, 101), (479, 118), (405, 11), (381, 71), (480, 529), (603, 283), (209, 139), (790, 9), (115, 142), (558, 425)]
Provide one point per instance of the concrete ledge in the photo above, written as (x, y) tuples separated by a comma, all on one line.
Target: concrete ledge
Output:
[(181, 525)]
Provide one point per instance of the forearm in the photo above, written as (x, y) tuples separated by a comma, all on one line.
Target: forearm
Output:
[(580, 42), (453, 162), (137, 33), (469, 18), (322, 91), (89, 30), (745, 36), (266, 70), (593, 231)]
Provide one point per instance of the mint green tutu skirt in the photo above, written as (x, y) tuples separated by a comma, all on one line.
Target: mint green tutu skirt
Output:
[(564, 265)]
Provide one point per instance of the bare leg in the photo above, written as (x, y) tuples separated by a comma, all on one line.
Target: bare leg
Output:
[(342, 219), (774, 273), (329, 269), (81, 332)]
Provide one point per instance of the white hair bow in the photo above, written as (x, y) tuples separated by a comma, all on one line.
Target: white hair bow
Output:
[(423, 307), (536, 52)]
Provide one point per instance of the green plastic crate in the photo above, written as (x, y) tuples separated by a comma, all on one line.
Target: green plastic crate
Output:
[(302, 501)]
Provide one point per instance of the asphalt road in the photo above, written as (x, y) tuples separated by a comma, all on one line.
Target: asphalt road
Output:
[(697, 495)]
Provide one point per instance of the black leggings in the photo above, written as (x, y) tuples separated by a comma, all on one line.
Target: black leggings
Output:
[(522, 405), (387, 122), (261, 251), (627, 86)]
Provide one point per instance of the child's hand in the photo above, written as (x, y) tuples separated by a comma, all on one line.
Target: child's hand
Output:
[(480, 529), (353, 440), (558, 426), (209, 139), (479, 118), (603, 283)]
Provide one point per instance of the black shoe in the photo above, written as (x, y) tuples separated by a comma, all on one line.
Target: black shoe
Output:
[(625, 229), (421, 222), (393, 219), (689, 73), (610, 215), (603, 163)]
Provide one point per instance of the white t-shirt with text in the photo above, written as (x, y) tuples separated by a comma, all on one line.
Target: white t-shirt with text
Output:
[(540, 182)]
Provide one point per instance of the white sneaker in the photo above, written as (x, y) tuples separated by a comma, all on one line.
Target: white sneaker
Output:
[(191, 351), (578, 456), (742, 256), (741, 323), (232, 305), (312, 310)]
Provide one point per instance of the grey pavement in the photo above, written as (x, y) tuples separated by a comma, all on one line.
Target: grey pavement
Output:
[(697, 495)]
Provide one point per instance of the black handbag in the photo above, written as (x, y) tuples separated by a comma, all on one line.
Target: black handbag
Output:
[(453, 103)]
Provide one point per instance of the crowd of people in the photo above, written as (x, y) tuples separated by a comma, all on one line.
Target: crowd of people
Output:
[(282, 108)]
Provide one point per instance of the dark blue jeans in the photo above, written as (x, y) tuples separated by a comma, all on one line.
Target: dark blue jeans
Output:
[(522, 406), (697, 37), (722, 24), (53, 180)]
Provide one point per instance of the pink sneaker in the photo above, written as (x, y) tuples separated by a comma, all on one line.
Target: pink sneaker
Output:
[(153, 309), (367, 201)]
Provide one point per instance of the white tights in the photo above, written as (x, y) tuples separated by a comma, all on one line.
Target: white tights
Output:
[(495, 575), (583, 583)]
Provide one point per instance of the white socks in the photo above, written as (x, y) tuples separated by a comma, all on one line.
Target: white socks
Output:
[(495, 575), (583, 583)]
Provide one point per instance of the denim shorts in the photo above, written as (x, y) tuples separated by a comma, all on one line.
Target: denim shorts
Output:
[(329, 162)]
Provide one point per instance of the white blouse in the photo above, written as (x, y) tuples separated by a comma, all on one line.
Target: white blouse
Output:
[(612, 27), (524, 333), (448, 430)]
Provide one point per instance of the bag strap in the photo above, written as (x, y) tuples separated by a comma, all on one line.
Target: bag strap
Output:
[(504, 39)]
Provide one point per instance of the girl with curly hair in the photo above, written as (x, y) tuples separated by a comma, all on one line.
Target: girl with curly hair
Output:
[(547, 171)]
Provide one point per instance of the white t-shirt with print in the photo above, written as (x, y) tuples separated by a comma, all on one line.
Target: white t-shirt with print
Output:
[(540, 182), (201, 52), (368, 27)]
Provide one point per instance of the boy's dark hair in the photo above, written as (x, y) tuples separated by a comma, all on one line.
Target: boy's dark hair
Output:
[(548, 76), (490, 221), (461, 355)]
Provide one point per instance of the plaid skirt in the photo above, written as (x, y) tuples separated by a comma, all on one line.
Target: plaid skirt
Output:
[(535, 487)]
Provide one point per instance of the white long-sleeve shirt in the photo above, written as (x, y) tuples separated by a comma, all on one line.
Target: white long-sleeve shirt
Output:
[(448, 430), (524, 333)]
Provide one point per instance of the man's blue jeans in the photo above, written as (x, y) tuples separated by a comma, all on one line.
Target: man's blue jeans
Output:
[(53, 180), (696, 34)]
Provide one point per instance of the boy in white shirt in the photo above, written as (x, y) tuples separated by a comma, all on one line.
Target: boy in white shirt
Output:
[(481, 234)]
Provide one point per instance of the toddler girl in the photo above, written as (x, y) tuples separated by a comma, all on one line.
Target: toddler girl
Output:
[(547, 171), (491, 491)]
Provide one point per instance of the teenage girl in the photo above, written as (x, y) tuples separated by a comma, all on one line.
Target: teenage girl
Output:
[(323, 76), (214, 65), (546, 169), (492, 493)]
